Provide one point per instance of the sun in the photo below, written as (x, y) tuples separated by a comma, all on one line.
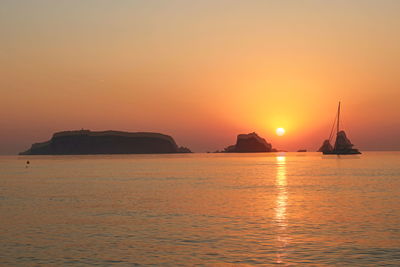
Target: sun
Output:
[(280, 131)]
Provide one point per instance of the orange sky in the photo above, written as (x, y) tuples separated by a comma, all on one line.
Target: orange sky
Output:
[(201, 71)]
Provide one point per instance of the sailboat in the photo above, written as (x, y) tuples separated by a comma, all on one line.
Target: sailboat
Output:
[(342, 146)]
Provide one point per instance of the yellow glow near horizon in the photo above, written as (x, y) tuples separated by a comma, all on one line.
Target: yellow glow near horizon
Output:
[(280, 131)]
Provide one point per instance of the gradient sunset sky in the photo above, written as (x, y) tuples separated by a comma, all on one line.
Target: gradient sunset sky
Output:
[(201, 71)]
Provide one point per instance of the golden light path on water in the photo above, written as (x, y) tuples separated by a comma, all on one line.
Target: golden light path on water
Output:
[(280, 207)]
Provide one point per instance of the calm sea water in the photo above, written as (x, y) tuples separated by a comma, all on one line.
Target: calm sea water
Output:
[(211, 209)]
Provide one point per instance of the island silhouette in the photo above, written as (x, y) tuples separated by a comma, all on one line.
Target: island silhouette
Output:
[(86, 142), (249, 143), (106, 142)]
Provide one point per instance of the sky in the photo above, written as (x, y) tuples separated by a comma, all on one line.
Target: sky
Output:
[(201, 71)]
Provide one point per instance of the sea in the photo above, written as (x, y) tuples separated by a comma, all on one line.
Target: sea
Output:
[(290, 209)]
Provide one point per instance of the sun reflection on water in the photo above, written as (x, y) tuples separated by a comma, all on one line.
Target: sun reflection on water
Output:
[(280, 207)]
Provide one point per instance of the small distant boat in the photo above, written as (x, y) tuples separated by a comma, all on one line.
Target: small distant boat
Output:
[(302, 150), (343, 145)]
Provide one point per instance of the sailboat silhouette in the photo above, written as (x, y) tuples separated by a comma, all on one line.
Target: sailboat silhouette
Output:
[(343, 145)]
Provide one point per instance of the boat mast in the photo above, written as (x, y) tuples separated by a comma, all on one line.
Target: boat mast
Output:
[(338, 117)]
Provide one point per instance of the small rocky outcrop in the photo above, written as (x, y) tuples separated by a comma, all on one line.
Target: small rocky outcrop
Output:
[(326, 146), (106, 142), (342, 142), (183, 149), (249, 143)]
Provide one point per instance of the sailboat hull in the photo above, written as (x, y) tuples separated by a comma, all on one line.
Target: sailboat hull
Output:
[(348, 152)]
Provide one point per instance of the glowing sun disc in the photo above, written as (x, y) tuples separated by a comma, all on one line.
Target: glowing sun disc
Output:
[(280, 131)]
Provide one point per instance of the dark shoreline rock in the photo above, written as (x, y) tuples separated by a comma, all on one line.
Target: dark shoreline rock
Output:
[(85, 142), (249, 143)]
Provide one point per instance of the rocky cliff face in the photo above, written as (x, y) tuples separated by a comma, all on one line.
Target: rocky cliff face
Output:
[(107, 142), (247, 143)]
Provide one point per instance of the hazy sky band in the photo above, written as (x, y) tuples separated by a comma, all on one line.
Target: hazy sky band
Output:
[(201, 71)]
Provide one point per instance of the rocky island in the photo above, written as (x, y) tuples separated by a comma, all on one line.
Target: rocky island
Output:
[(86, 142), (249, 143), (326, 146)]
